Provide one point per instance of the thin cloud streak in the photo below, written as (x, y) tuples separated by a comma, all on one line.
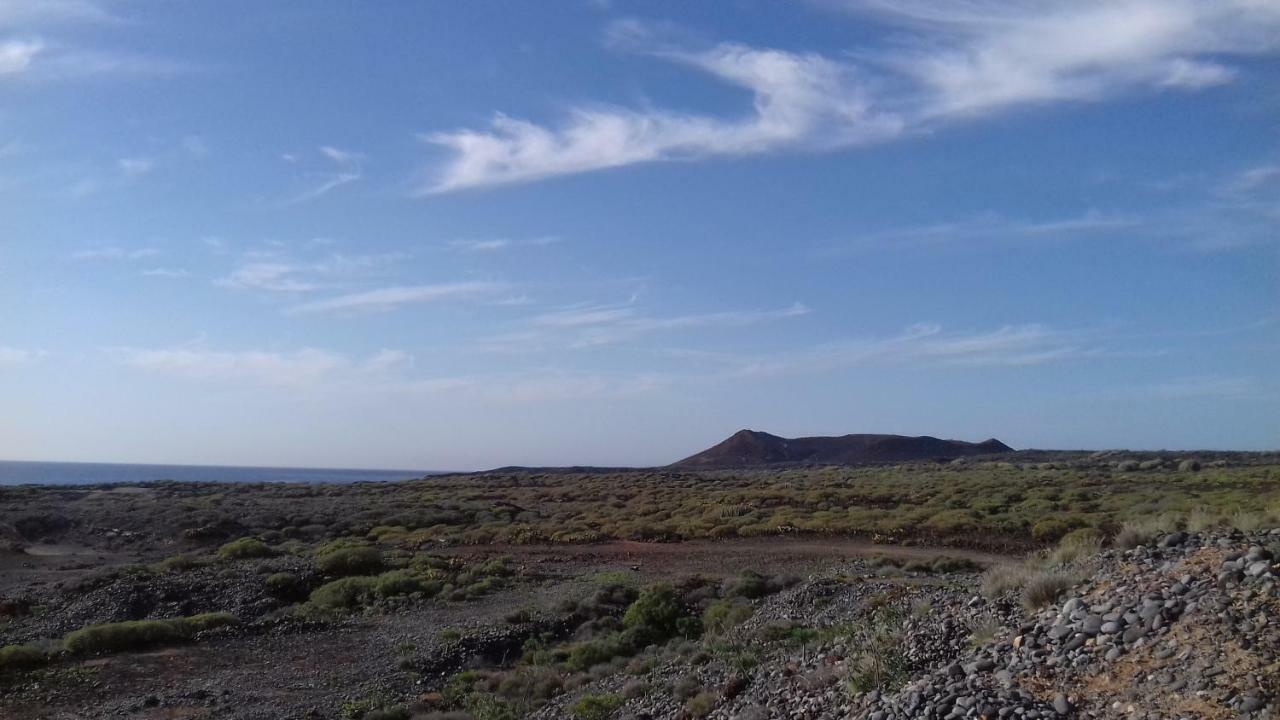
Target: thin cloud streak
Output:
[(15, 357), (593, 326), (799, 100), (297, 368), (112, 252), (389, 298), (1203, 387), (926, 345), (989, 228), (162, 272), (958, 61), (348, 167), (495, 244)]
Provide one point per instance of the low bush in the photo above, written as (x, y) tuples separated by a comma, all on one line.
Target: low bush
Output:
[(396, 582), (701, 705), (723, 615), (1076, 545), (135, 634), (596, 707), (178, 563), (21, 657), (347, 561), (345, 593), (1049, 530), (1143, 532), (686, 687), (284, 585), (1004, 578), (654, 615), (243, 549), (1044, 587)]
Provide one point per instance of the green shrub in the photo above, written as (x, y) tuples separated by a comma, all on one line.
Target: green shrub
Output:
[(723, 615), (178, 563), (596, 707), (396, 582), (345, 593), (284, 585), (701, 705), (396, 712), (21, 657), (346, 561), (587, 654), (243, 549), (1004, 578), (1049, 530), (952, 522), (1044, 587), (531, 686), (685, 687), (1076, 545), (1142, 532), (135, 634), (653, 616), (749, 584)]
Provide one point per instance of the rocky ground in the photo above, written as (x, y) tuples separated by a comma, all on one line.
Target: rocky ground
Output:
[(1126, 623), (1184, 628)]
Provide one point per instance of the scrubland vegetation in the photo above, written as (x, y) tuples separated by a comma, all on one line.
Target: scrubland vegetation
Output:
[(208, 564), (964, 503), (618, 628), (969, 505)]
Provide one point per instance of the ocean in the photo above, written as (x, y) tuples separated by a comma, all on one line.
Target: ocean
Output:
[(60, 473)]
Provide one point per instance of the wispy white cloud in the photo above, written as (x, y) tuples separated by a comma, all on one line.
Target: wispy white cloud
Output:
[(345, 167), (387, 359), (389, 298), (594, 325), (992, 227), (273, 271), (164, 272), (975, 57), (113, 252), (386, 372), (270, 276), (136, 167), (494, 244), (1201, 387), (301, 367), (1253, 178), (64, 63), (799, 100), (928, 345), (195, 146), (14, 357), (16, 55), (949, 61), (395, 371), (43, 13)]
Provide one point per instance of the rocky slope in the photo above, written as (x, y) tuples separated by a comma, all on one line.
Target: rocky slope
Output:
[(1187, 627)]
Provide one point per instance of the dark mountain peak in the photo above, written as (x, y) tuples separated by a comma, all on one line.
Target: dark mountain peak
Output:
[(747, 448)]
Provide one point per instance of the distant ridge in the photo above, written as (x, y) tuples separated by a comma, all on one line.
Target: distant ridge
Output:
[(747, 448)]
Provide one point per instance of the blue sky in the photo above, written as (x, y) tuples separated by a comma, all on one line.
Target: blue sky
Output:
[(461, 235)]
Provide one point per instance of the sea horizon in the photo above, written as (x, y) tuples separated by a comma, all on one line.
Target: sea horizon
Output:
[(44, 472)]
